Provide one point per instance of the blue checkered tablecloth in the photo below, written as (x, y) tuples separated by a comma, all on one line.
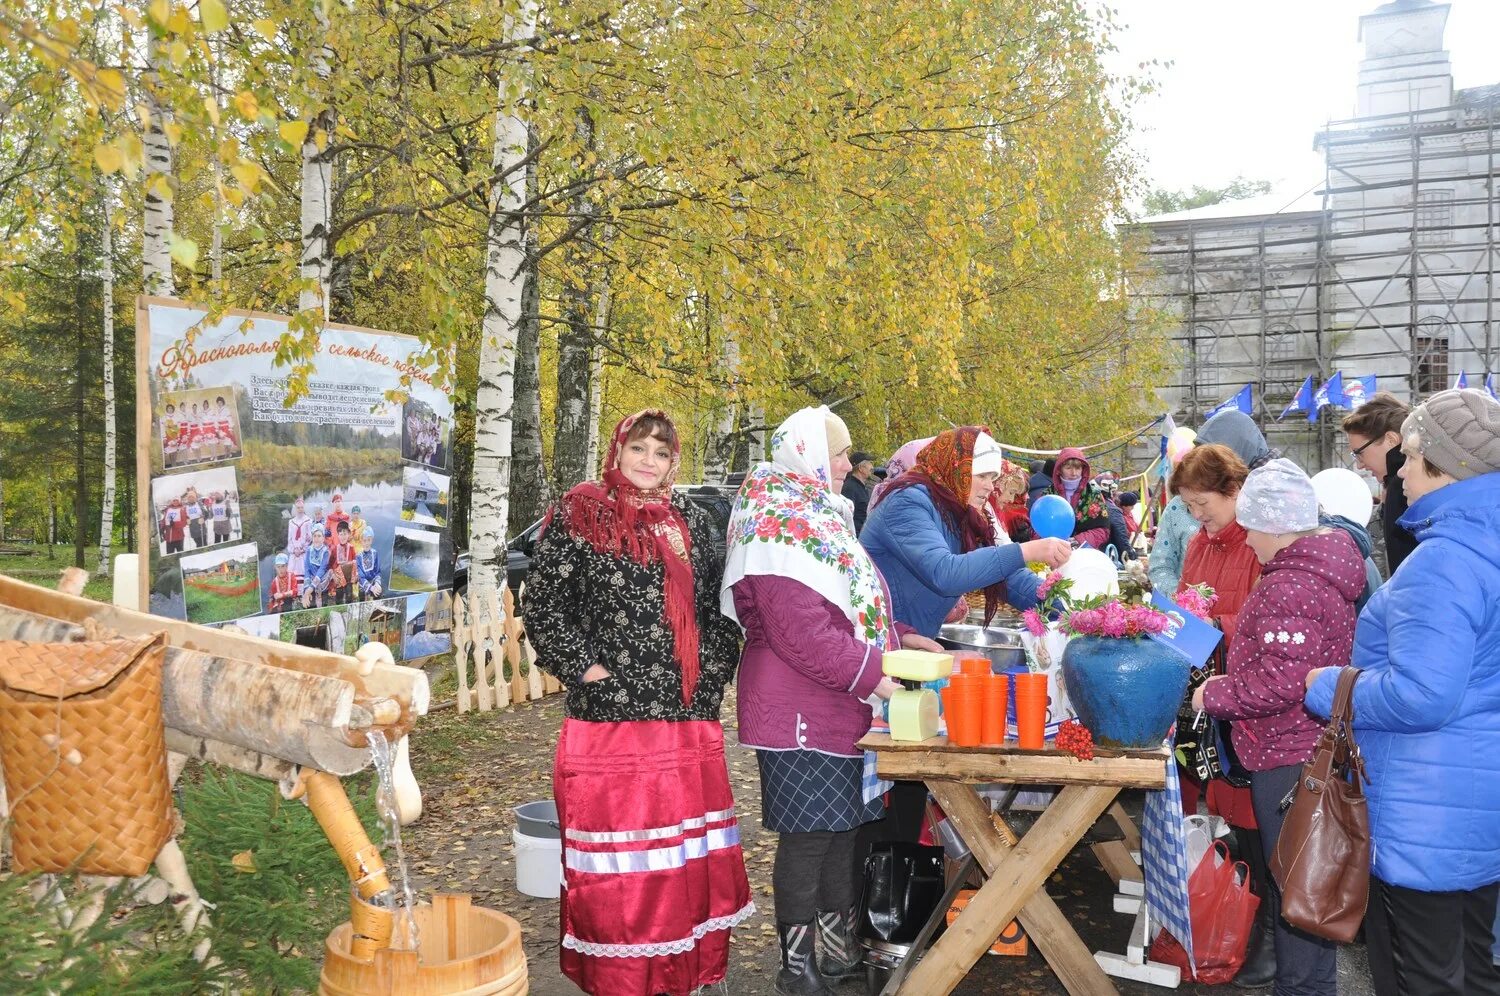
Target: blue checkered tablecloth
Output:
[(1164, 861)]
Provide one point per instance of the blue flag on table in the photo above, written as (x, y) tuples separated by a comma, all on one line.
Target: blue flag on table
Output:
[(1242, 401), (1188, 635), (1462, 381), (1489, 386), (1302, 402), (1358, 391), (1331, 393), (1164, 861)]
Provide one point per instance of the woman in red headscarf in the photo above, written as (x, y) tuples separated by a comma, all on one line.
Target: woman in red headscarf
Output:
[(622, 604)]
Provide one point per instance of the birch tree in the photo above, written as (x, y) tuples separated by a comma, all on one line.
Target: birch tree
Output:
[(317, 176), (107, 294), (156, 232), (505, 254)]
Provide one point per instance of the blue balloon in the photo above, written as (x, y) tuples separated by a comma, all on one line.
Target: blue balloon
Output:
[(1052, 517)]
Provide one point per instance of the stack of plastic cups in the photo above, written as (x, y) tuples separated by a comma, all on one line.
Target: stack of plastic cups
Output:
[(996, 692), (975, 664), (964, 705), (1031, 710)]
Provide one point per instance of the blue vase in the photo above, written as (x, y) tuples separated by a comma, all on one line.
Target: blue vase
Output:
[(1127, 692)]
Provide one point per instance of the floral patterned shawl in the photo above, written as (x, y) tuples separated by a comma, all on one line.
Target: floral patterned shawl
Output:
[(787, 521)]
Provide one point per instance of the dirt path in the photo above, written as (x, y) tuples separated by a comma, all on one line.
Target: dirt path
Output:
[(474, 768)]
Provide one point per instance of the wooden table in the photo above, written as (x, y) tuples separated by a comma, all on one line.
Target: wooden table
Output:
[(1015, 874)]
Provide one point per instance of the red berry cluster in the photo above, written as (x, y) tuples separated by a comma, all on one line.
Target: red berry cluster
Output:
[(1075, 738)]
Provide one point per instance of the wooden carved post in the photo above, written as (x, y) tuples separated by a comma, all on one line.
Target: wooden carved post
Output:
[(463, 643)]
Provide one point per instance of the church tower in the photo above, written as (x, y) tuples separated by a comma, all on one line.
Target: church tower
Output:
[(1405, 68)]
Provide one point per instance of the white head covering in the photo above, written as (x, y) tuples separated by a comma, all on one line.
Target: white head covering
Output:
[(1278, 497), (787, 521), (988, 459)]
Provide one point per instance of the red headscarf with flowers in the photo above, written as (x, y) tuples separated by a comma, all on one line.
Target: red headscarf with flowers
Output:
[(617, 518)]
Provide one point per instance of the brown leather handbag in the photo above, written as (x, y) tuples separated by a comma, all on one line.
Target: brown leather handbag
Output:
[(85, 754), (1322, 858)]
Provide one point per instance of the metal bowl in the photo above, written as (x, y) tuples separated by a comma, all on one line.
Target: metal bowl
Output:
[(1002, 646)]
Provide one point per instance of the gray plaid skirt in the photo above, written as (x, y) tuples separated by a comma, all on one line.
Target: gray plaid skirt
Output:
[(804, 790)]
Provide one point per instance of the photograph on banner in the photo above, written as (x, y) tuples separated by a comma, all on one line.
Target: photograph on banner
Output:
[(429, 624), (199, 426), (424, 497), (414, 560), (164, 596), (425, 435), (320, 482), (265, 627), (324, 531), (196, 509), (220, 584)]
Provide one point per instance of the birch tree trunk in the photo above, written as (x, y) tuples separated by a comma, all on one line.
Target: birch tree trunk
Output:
[(575, 340), (317, 180), (596, 376), (107, 517), (156, 233), (721, 439), (505, 257), (529, 487)]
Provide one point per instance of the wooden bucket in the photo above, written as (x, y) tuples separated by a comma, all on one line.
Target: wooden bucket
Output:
[(465, 950)]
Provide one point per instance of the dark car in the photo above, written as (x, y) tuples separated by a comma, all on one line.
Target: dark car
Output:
[(716, 500)]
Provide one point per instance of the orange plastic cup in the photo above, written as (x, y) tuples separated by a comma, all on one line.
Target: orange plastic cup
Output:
[(966, 710), (974, 664), (1031, 710), (996, 698)]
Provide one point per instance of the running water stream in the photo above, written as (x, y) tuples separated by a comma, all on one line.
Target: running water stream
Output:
[(399, 898)]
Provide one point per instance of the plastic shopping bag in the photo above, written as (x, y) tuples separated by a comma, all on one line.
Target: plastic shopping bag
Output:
[(1223, 910)]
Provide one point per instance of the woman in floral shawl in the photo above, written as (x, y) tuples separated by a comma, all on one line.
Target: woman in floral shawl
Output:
[(816, 619), (622, 604)]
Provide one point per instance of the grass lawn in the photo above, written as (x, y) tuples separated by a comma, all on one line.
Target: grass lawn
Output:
[(405, 582), (38, 570)]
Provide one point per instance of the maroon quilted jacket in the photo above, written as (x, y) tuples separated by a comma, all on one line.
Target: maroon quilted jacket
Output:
[(1299, 617)]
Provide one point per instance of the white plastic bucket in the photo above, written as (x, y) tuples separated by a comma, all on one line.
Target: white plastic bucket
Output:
[(538, 865)]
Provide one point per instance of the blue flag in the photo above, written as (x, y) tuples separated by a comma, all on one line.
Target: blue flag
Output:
[(1243, 401), (1331, 393), (1462, 381), (1358, 391), (1489, 386), (1302, 402)]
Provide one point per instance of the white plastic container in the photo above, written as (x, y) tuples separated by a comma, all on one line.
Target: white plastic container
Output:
[(538, 865)]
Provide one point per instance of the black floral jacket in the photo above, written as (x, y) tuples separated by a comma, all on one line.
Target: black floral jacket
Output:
[(583, 608)]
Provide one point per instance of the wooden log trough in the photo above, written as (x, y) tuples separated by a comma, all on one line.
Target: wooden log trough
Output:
[(251, 704)]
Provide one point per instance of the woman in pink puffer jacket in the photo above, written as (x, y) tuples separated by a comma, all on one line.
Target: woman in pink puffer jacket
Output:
[(1300, 616)]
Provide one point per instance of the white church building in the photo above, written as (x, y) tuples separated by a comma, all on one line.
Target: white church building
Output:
[(1388, 269)]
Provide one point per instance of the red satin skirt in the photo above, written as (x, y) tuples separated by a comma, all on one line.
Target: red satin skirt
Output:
[(653, 874)]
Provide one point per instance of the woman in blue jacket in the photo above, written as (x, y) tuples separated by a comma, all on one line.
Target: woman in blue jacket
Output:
[(1427, 711), (934, 542)]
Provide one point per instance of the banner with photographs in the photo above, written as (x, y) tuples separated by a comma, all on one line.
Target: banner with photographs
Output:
[(325, 523)]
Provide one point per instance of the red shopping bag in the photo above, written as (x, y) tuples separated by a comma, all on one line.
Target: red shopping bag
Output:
[(1223, 909)]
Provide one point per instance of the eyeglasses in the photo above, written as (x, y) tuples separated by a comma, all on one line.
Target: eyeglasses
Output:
[(1368, 444)]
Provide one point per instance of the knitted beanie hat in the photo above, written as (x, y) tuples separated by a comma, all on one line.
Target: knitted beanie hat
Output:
[(838, 434), (988, 458), (1458, 432), (1277, 497)]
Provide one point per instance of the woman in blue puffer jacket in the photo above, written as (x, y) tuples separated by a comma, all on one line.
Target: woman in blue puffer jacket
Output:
[(933, 541), (1427, 711)]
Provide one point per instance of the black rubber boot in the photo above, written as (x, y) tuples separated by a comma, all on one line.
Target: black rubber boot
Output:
[(1259, 970), (839, 954), (799, 975)]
